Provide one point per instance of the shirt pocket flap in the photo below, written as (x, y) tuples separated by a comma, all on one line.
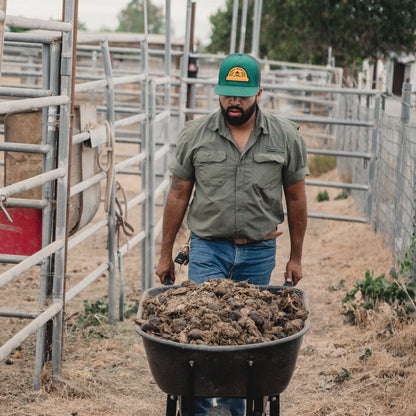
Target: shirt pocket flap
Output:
[(267, 157), (212, 156)]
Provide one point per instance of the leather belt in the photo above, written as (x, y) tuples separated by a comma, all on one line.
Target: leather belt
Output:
[(243, 241)]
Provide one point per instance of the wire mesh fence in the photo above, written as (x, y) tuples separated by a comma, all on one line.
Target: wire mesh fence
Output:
[(394, 187)]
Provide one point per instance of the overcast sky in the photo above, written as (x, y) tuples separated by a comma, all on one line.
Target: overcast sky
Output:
[(103, 13)]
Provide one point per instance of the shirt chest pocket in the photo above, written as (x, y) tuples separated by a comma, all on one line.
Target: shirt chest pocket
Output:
[(210, 167), (268, 169)]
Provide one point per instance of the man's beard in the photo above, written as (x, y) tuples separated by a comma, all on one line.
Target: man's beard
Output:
[(242, 118)]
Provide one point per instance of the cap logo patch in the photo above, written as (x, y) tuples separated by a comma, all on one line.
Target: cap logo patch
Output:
[(237, 74)]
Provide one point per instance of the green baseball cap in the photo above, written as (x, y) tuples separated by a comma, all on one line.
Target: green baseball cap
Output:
[(239, 76)]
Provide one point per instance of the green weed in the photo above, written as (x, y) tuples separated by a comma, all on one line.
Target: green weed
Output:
[(399, 291), (319, 164), (94, 319), (343, 195), (322, 196), (342, 376)]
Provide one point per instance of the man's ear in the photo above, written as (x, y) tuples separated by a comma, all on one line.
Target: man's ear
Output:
[(259, 94)]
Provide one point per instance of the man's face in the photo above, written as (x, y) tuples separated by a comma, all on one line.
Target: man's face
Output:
[(238, 110)]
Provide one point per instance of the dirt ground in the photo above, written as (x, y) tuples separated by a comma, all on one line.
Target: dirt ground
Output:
[(341, 369)]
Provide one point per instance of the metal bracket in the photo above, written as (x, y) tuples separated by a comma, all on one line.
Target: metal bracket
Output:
[(3, 204)]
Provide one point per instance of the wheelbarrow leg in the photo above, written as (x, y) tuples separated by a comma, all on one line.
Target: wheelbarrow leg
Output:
[(250, 388), (187, 403), (171, 405), (274, 405), (260, 406)]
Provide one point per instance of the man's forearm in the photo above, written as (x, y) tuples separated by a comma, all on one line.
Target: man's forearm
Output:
[(297, 222), (296, 217), (174, 212), (172, 220)]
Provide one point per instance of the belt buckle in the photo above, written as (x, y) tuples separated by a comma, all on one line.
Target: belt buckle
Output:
[(241, 241)]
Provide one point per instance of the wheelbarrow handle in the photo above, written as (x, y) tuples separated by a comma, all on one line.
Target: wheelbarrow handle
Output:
[(167, 281)]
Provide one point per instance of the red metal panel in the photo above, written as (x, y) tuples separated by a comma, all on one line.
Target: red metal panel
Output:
[(24, 235)]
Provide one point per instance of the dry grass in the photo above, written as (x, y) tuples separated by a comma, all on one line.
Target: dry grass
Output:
[(341, 370)]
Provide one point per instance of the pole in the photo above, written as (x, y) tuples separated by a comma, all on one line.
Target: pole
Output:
[(256, 28), (243, 27), (3, 7), (234, 27)]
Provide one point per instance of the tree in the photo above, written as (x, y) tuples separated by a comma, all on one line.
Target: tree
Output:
[(303, 30), (131, 19)]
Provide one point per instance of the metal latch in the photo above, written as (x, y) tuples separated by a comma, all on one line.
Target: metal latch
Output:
[(98, 136)]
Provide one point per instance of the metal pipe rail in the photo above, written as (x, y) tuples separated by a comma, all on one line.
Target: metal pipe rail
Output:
[(32, 182), (34, 39), (14, 259), (138, 238), (338, 218), (31, 328), (18, 313), (91, 86), (30, 261), (27, 203), (23, 92), (85, 184), (328, 120), (25, 148), (340, 153), (29, 23), (87, 232), (120, 166), (32, 74), (83, 284), (30, 103), (357, 187)]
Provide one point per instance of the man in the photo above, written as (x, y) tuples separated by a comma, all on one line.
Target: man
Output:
[(236, 161)]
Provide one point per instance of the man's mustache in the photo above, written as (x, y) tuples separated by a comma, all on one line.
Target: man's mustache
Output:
[(234, 107)]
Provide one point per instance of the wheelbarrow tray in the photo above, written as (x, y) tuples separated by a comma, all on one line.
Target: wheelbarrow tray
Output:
[(230, 371)]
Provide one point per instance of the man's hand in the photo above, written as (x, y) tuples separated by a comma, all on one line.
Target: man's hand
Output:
[(166, 267), (293, 272)]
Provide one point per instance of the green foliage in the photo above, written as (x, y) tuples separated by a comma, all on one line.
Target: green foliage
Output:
[(303, 30), (342, 376), (322, 196), (94, 318), (82, 25), (399, 292), (131, 18), (367, 354), (343, 195), (18, 29), (319, 164)]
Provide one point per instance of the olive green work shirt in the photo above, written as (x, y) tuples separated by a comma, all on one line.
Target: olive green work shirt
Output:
[(238, 195)]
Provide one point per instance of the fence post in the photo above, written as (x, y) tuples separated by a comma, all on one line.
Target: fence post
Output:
[(3, 7), (406, 100), (112, 301), (401, 157), (64, 151), (414, 219), (150, 185), (374, 140)]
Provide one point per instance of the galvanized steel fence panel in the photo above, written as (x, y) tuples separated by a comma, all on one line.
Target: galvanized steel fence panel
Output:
[(394, 187)]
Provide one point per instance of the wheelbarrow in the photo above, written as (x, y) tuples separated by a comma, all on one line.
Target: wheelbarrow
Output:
[(258, 373)]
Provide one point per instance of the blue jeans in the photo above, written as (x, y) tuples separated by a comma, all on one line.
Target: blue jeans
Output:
[(211, 259)]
